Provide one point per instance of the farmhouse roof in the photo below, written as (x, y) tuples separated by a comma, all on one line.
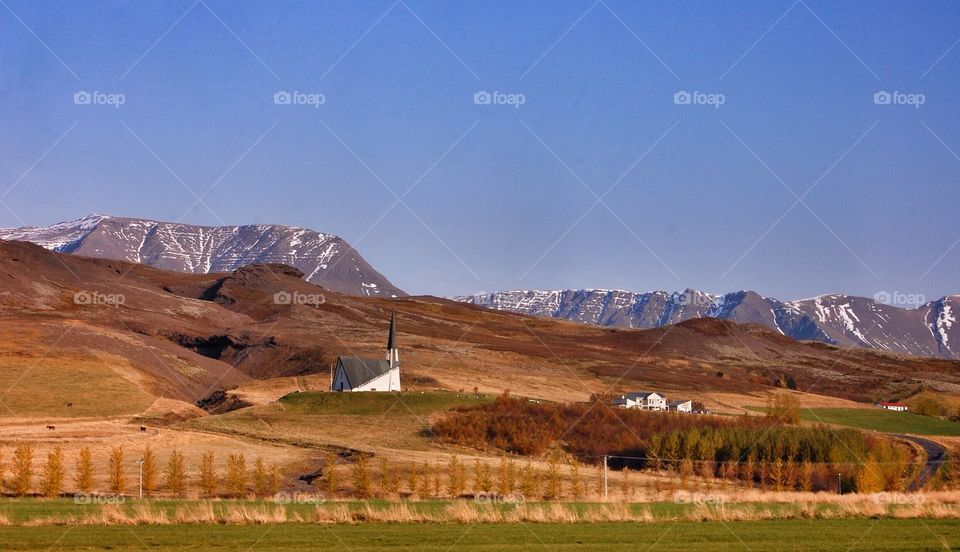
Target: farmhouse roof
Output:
[(641, 395)]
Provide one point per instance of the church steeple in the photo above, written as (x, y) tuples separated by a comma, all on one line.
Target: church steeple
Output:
[(392, 339), (393, 356)]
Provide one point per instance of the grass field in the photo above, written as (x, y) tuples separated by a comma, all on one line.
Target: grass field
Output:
[(415, 402), (44, 386), (879, 420), (826, 535)]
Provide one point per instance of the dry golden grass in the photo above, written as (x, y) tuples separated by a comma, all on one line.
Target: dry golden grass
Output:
[(927, 505)]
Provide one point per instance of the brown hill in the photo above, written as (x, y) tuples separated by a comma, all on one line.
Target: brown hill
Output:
[(83, 322)]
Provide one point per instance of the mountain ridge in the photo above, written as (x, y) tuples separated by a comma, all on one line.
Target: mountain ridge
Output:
[(928, 329), (325, 259)]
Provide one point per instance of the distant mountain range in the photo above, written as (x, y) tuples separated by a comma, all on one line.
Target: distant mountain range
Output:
[(325, 259), (843, 320)]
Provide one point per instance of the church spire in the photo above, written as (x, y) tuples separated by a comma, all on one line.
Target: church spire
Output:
[(392, 339)]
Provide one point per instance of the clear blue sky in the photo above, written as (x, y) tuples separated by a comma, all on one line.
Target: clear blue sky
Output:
[(505, 197)]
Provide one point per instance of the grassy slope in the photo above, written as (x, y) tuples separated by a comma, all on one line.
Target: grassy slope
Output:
[(43, 386), (416, 402), (368, 421), (879, 420), (860, 534)]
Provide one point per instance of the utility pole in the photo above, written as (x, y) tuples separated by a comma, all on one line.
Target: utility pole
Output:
[(606, 492), (140, 464), (839, 488)]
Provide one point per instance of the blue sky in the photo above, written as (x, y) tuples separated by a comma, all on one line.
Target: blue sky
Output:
[(798, 184)]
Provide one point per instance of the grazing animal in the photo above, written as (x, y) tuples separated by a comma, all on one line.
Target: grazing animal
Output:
[(69, 405), (143, 428), (51, 427)]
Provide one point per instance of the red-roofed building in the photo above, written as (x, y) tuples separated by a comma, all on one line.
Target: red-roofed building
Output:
[(895, 406)]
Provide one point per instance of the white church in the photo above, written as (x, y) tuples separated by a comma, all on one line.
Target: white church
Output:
[(370, 374)]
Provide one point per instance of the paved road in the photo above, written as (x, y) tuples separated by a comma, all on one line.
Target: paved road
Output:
[(936, 454)]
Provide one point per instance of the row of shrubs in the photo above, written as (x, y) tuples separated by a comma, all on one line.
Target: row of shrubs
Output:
[(52, 477)]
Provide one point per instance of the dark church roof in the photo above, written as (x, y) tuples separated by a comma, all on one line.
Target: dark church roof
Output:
[(361, 370)]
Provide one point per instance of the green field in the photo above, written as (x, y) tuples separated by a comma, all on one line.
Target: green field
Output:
[(827, 535), (415, 402), (879, 420)]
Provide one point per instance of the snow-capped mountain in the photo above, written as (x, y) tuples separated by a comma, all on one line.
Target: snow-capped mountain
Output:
[(325, 259), (843, 320)]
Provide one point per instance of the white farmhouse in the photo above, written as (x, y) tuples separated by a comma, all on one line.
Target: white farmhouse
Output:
[(680, 406), (644, 400), (369, 374)]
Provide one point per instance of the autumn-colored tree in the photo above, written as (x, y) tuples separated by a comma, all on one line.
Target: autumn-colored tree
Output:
[(361, 477), (869, 478), (413, 479), (150, 471), (208, 475), (775, 475), (529, 482), (552, 487), (117, 477), (174, 477), (599, 480), (83, 471), (482, 480), (274, 479), (456, 477), (424, 480), (436, 486), (506, 477), (790, 475), (51, 481), (383, 481), (22, 470), (806, 477), (784, 408), (236, 478), (329, 479), (576, 480), (261, 483)]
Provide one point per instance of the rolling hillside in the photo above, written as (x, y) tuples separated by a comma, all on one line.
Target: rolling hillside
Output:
[(184, 336)]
